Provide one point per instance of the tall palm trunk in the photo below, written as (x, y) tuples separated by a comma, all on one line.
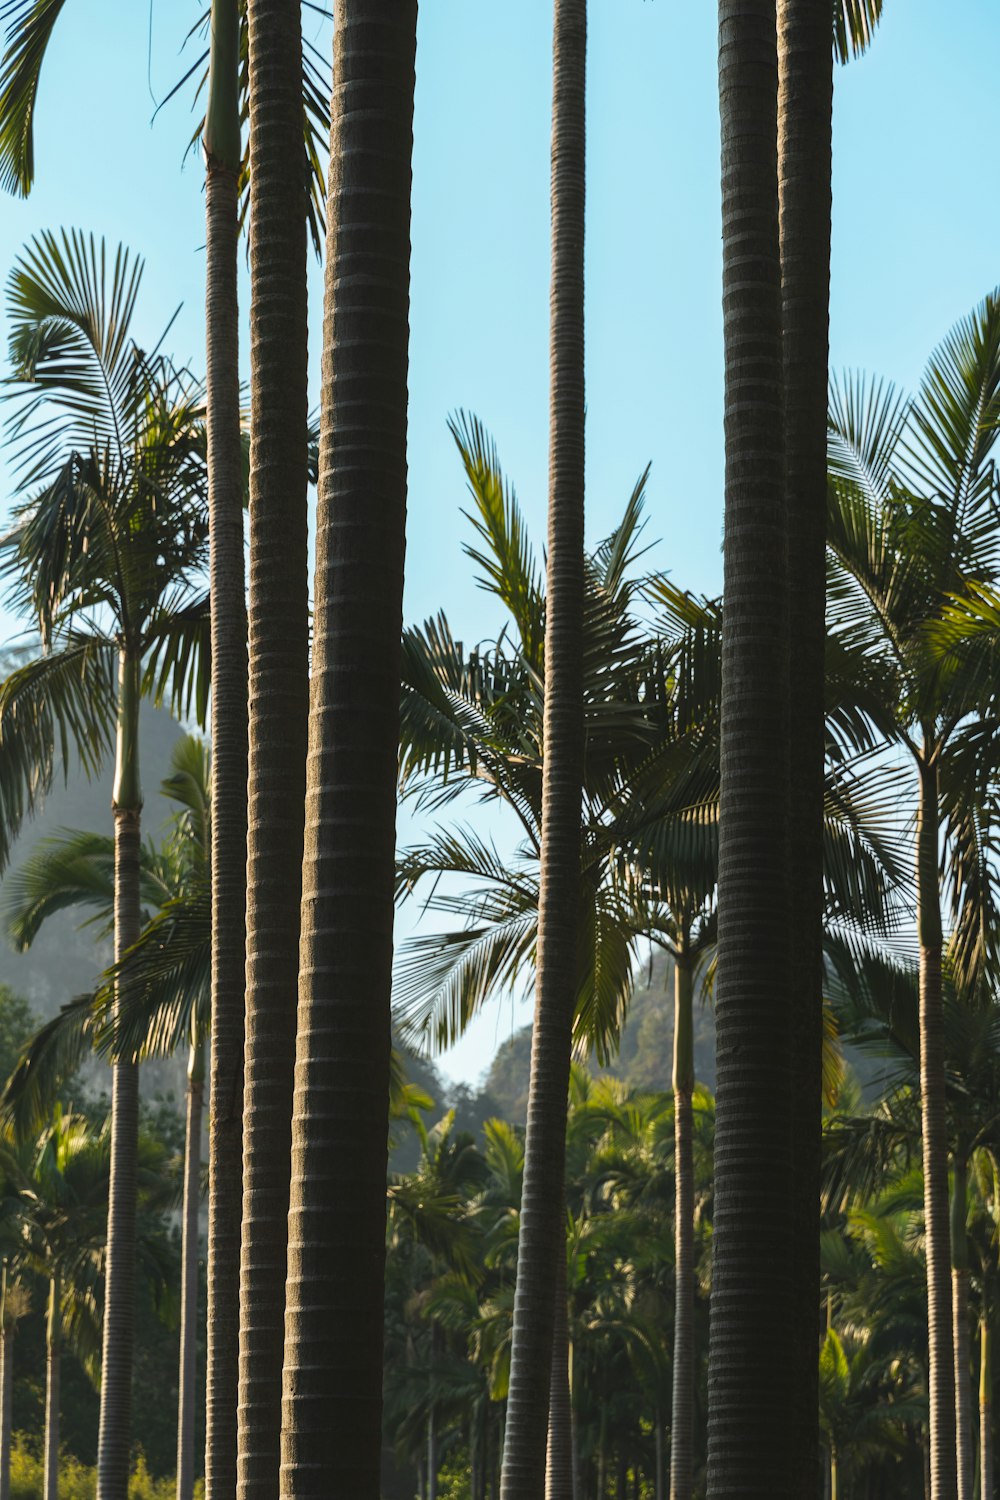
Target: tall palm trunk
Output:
[(960, 1328), (805, 113), (7, 1336), (331, 1434), (53, 1352), (940, 1344), (186, 1384), (682, 1420), (115, 1430), (279, 693), (660, 1489), (229, 748), (432, 1455), (749, 1417), (541, 1237), (985, 1410), (559, 1455)]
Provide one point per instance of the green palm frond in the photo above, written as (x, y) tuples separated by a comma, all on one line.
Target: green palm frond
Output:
[(28, 29), (59, 701), (49, 1060), (71, 869), (77, 380), (854, 23), (179, 658), (503, 552)]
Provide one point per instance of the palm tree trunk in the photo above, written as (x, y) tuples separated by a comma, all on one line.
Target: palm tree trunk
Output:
[(660, 1490), (748, 1417), (541, 1237), (6, 1408), (115, 1430), (186, 1384), (559, 1463), (960, 1328), (432, 1455), (229, 748), (50, 1489), (985, 1411), (279, 696), (331, 1439), (682, 1421), (805, 113), (833, 1474), (940, 1344)]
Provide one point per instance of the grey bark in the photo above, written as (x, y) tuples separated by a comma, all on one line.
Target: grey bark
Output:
[(541, 1234), (331, 1433), (278, 697), (748, 1453), (187, 1394)]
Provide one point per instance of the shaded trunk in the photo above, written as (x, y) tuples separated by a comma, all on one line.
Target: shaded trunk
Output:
[(682, 1421), (331, 1436), (7, 1339), (660, 1457), (960, 1329), (748, 1451), (559, 1456), (541, 1237), (833, 1474), (985, 1411), (279, 695), (186, 1384), (115, 1429), (940, 1343), (805, 113), (432, 1455), (229, 747), (50, 1486)]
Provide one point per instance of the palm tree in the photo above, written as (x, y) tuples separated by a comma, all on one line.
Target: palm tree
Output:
[(751, 1263), (105, 555), (541, 1232), (223, 156), (911, 526), (331, 1438), (166, 1002), (279, 698), (805, 81), (14, 1304)]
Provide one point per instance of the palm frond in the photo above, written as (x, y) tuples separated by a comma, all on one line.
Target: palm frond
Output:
[(854, 23), (72, 869), (28, 29), (48, 1061)]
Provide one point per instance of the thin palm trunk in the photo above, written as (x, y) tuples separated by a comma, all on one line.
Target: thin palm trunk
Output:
[(186, 1386), (682, 1421), (50, 1486), (229, 748), (985, 1411), (559, 1460), (940, 1343), (660, 1485), (7, 1337), (278, 675), (331, 1435), (432, 1455), (115, 1430), (749, 1417), (960, 1328), (833, 1474), (805, 113), (541, 1236)]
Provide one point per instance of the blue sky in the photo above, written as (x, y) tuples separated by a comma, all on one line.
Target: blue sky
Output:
[(916, 237)]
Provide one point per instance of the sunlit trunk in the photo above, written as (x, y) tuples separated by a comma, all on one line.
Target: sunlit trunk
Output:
[(682, 1422), (985, 1410), (186, 1389), (53, 1351)]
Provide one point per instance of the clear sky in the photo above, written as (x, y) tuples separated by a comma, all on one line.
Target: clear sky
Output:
[(916, 242)]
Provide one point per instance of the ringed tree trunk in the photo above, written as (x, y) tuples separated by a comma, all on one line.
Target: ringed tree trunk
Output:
[(940, 1342), (985, 1410), (279, 696), (53, 1353), (960, 1328), (805, 114), (559, 1456), (541, 1237), (682, 1421), (229, 747), (332, 1418), (186, 1385), (7, 1336), (115, 1430), (748, 1453)]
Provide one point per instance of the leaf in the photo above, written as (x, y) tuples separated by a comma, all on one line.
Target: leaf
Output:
[(29, 25)]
